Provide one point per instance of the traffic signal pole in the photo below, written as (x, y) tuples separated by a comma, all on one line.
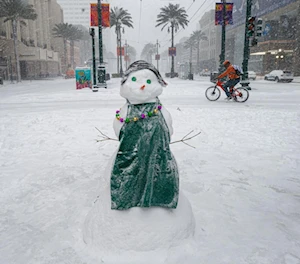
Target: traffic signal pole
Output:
[(245, 82)]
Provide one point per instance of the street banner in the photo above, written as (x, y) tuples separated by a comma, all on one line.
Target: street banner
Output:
[(104, 12), (127, 58), (83, 77), (172, 51), (118, 51), (157, 57), (219, 14)]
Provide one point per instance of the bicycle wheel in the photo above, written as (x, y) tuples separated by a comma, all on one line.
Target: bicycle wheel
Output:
[(240, 95), (212, 93)]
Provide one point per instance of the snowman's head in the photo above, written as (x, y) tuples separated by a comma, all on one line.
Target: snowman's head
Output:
[(141, 83)]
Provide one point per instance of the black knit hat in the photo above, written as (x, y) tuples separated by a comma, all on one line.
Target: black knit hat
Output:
[(142, 65)]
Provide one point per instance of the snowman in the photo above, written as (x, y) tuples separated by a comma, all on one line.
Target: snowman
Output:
[(140, 208)]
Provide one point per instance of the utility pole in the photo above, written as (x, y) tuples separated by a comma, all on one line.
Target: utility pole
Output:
[(245, 82), (222, 55), (157, 45), (101, 68)]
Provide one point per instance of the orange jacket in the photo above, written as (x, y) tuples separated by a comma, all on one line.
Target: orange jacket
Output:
[(230, 72)]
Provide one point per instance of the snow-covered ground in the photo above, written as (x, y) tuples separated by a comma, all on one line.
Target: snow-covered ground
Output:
[(242, 178)]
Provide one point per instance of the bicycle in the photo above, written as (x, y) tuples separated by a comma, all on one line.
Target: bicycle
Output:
[(239, 94)]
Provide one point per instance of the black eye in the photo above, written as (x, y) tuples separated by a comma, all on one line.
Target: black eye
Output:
[(148, 81), (133, 79)]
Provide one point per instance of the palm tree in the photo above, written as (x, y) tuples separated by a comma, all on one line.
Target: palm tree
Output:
[(85, 43), (174, 16), (71, 33), (147, 52), (63, 30), (75, 34), (191, 45), (15, 11), (131, 52), (119, 17), (198, 35)]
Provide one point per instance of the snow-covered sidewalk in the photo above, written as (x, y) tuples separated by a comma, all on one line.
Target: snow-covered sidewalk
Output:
[(242, 179)]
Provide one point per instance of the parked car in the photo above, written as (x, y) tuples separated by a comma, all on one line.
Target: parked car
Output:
[(251, 75), (280, 76), (204, 73)]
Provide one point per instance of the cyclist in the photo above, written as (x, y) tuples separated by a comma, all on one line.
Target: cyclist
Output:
[(232, 75)]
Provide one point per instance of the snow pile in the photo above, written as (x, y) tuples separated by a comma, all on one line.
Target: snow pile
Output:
[(138, 229)]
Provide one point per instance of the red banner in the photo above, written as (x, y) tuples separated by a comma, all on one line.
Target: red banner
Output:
[(104, 12), (157, 57), (127, 58), (118, 51)]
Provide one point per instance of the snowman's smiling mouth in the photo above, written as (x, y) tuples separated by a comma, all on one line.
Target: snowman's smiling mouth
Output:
[(143, 87)]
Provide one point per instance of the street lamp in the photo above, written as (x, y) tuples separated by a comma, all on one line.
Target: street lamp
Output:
[(101, 67), (222, 55), (92, 33)]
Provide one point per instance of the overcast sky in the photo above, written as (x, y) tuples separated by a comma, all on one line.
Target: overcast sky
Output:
[(144, 29)]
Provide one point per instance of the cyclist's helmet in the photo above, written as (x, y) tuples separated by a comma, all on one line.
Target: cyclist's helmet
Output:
[(226, 62)]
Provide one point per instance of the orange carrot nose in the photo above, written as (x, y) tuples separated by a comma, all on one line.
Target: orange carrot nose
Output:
[(143, 87)]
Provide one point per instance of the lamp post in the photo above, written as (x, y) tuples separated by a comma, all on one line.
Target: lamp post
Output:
[(121, 67), (101, 67), (126, 55), (157, 57), (172, 65), (222, 55), (92, 33)]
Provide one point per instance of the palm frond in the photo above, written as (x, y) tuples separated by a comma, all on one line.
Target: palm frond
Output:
[(174, 15), (16, 10)]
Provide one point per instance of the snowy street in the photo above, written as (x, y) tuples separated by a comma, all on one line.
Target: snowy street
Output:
[(242, 178)]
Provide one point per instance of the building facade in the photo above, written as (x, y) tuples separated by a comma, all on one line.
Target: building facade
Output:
[(38, 49), (210, 49), (277, 48)]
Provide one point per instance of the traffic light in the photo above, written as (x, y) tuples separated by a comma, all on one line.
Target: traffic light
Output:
[(251, 26), (254, 42), (259, 27)]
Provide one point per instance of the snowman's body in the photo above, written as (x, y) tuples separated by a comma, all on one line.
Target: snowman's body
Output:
[(139, 229), (145, 172)]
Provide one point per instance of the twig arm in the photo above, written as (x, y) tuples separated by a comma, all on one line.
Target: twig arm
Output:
[(105, 137), (185, 139)]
